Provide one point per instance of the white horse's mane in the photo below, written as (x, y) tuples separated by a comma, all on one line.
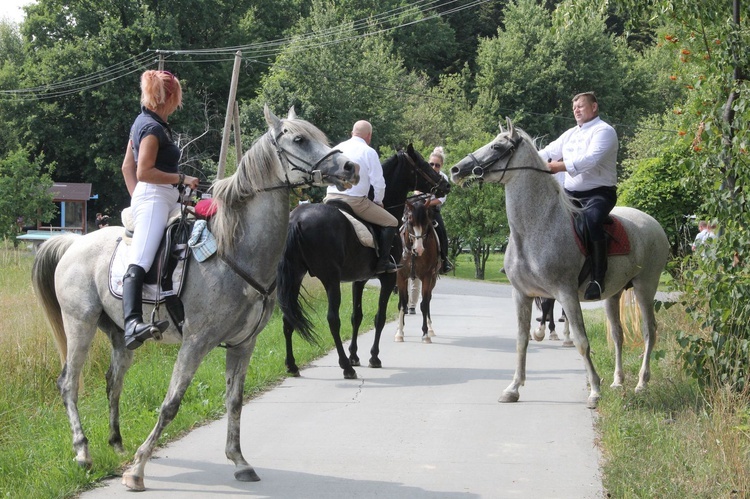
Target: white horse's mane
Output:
[(565, 200)]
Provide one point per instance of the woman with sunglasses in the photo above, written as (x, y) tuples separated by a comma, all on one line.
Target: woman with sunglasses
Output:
[(152, 176)]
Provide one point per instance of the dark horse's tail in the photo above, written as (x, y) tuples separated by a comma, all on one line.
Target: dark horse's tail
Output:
[(43, 279), (290, 272)]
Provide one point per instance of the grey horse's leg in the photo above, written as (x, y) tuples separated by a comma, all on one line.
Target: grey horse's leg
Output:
[(523, 316), (188, 359), (574, 314), (120, 361), (645, 298), (612, 308), (238, 359), (68, 382)]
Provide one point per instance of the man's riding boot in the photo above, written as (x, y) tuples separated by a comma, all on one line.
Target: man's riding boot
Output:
[(384, 246), (599, 263), (136, 332)]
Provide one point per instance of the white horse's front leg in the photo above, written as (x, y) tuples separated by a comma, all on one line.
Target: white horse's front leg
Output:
[(523, 315), (572, 309)]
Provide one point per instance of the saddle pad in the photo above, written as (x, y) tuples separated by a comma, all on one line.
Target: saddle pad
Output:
[(118, 265), (617, 239), (363, 233)]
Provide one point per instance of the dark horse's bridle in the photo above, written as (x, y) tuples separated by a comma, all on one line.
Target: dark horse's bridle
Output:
[(501, 151)]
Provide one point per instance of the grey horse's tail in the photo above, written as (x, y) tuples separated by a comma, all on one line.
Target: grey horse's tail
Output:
[(43, 279)]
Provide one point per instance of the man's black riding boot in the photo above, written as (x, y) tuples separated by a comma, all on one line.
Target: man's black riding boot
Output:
[(595, 288), (384, 246), (136, 332)]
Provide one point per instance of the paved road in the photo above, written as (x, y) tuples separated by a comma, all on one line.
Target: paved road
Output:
[(426, 425)]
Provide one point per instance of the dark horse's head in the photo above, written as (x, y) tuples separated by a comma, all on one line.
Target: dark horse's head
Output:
[(408, 171)]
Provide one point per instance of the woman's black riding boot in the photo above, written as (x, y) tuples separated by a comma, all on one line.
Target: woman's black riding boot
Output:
[(595, 288), (384, 246), (136, 332)]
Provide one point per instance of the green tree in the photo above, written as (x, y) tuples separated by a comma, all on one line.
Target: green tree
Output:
[(24, 192), (339, 81), (707, 42)]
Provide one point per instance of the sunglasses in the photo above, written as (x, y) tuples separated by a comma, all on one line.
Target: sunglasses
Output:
[(438, 165)]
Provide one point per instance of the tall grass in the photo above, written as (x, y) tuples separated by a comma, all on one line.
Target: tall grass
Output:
[(36, 457), (675, 440)]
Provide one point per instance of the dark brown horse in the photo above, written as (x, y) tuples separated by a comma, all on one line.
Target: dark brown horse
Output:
[(421, 260)]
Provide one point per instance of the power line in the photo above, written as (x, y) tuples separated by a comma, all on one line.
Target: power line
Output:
[(267, 49)]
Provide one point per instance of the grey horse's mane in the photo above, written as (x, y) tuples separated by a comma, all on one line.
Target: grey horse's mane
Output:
[(259, 165), (565, 200)]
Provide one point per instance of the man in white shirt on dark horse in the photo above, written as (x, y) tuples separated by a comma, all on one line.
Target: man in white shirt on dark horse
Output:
[(587, 153)]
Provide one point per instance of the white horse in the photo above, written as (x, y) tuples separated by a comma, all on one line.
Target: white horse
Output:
[(543, 259), (228, 298)]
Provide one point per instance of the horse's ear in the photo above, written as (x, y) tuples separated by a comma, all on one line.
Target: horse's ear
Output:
[(500, 126), (292, 114), (511, 129), (271, 119)]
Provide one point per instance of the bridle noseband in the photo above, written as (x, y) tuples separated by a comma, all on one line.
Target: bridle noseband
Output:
[(316, 176)]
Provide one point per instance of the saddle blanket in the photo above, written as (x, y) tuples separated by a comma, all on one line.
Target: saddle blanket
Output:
[(617, 239), (118, 266), (363, 233)]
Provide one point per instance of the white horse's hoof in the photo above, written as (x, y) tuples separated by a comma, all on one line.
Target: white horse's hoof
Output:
[(553, 336), (538, 334), (568, 343), (399, 338), (133, 482), (593, 401), (640, 388), (431, 333), (426, 339), (508, 397)]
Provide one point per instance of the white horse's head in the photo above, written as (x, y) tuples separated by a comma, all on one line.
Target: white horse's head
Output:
[(305, 154), (511, 150)]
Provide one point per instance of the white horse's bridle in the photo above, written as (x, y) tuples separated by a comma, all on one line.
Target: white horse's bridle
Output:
[(480, 167)]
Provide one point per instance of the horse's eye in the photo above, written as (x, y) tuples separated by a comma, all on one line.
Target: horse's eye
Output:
[(299, 139)]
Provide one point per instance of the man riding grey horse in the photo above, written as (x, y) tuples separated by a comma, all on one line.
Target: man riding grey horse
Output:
[(588, 154)]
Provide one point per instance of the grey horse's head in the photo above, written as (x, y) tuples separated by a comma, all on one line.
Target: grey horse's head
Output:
[(306, 155), (491, 162)]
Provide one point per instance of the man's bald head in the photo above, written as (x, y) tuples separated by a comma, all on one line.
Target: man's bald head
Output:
[(362, 129)]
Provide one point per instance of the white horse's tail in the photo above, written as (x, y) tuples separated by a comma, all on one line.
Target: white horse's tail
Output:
[(43, 279)]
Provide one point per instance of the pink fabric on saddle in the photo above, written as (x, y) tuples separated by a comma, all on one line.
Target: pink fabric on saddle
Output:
[(619, 244), (205, 208)]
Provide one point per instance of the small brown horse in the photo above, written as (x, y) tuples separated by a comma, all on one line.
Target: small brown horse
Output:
[(420, 260)]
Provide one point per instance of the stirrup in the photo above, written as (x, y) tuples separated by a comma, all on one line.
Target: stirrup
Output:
[(142, 332), (593, 291)]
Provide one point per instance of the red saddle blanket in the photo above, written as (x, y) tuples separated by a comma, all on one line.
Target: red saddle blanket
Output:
[(617, 238)]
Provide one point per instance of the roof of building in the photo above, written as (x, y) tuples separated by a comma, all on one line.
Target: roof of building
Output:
[(69, 191)]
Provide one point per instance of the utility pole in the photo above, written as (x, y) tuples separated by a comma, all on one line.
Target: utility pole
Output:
[(231, 117)]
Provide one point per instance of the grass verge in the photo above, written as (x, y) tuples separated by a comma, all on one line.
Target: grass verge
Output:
[(674, 440)]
